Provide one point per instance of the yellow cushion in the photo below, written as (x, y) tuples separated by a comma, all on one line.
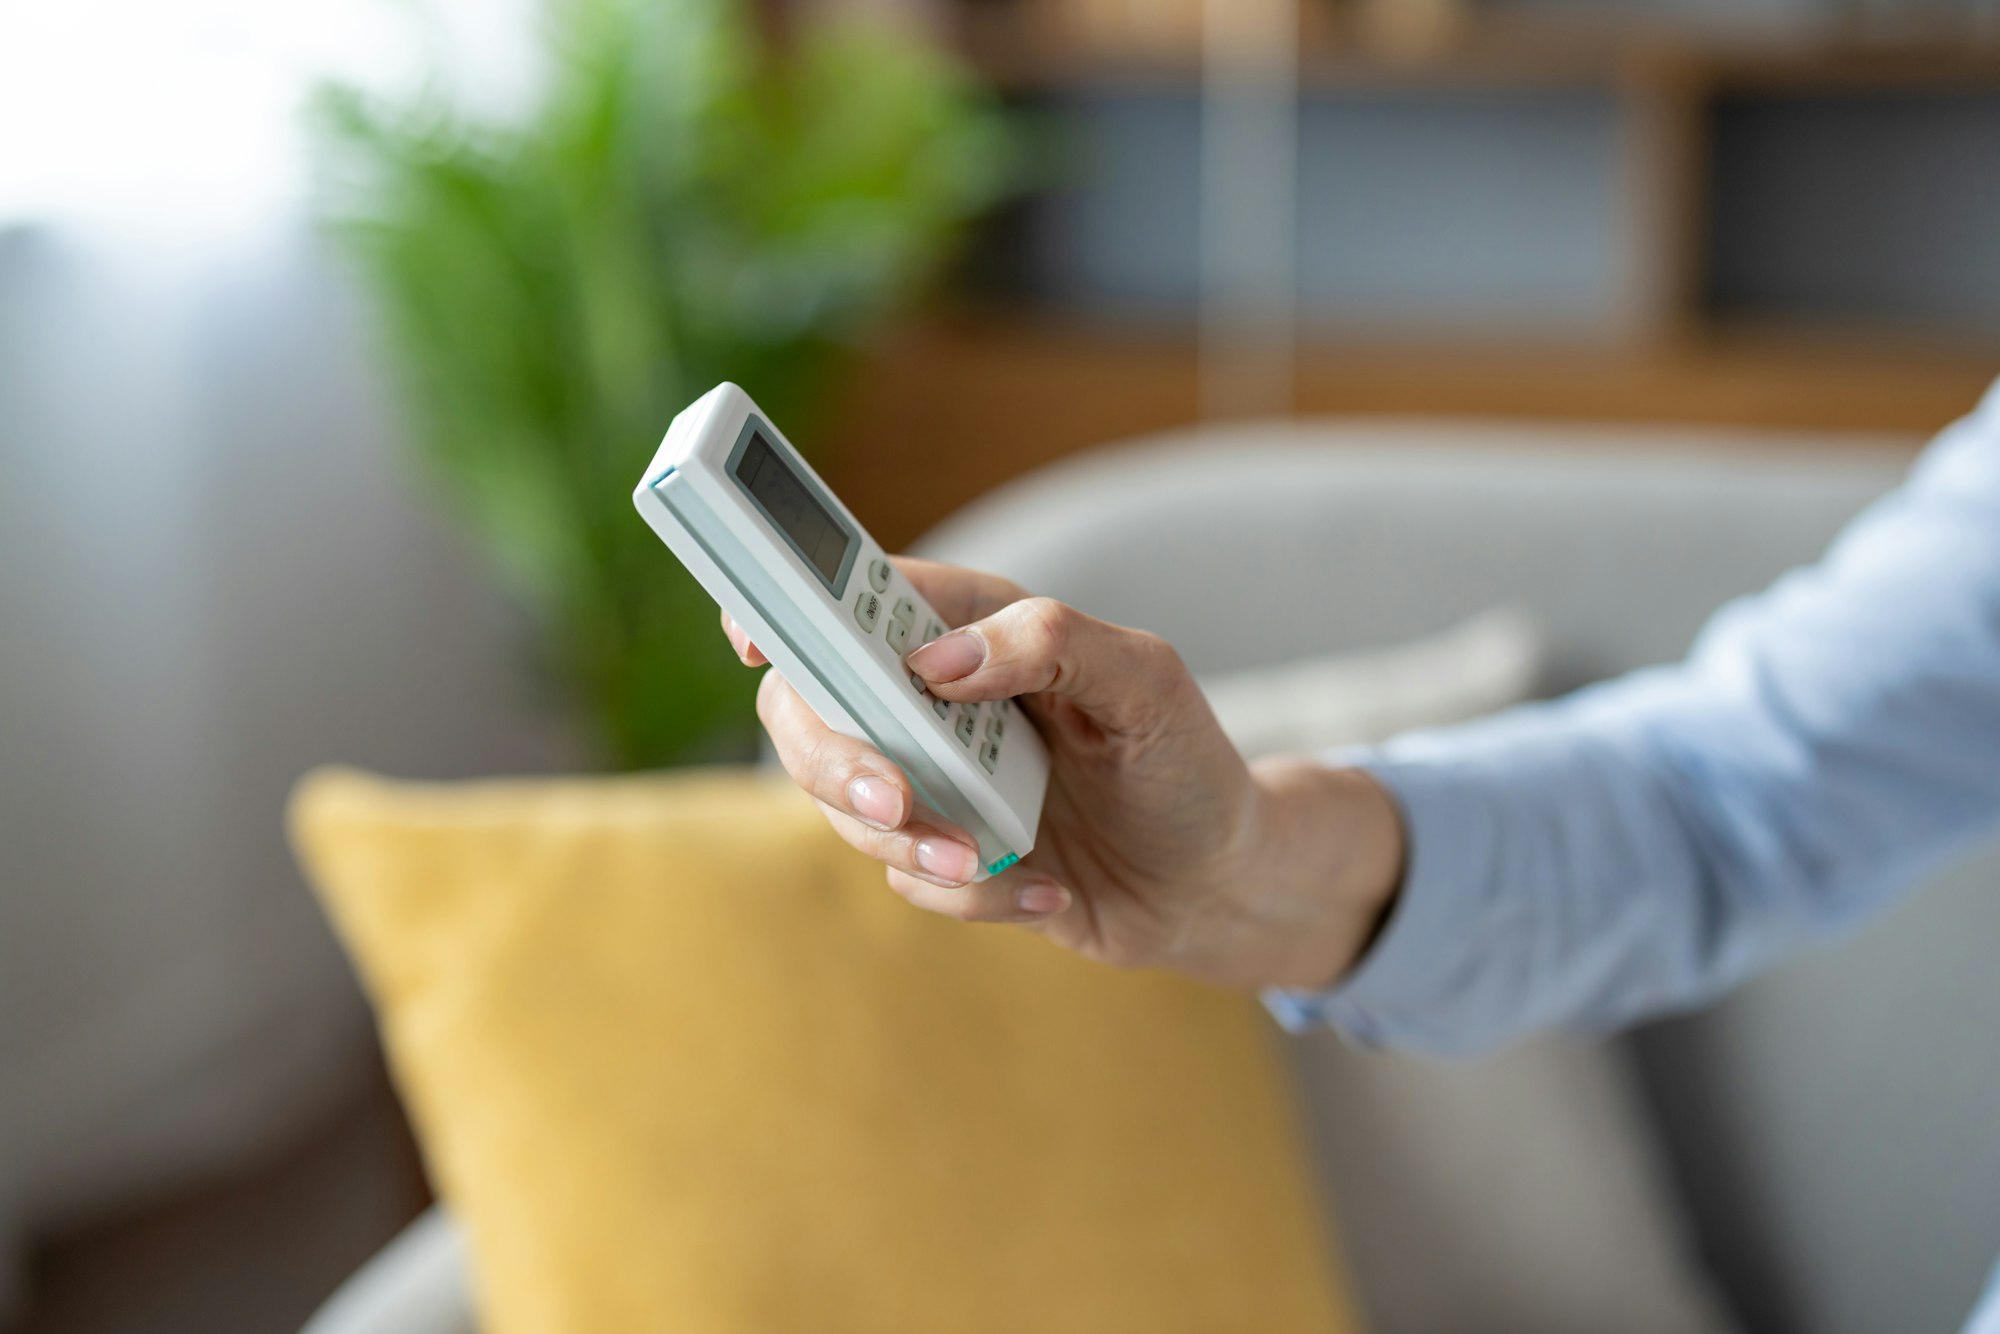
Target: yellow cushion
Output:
[(680, 1061)]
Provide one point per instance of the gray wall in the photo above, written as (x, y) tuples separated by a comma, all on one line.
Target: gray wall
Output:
[(212, 577)]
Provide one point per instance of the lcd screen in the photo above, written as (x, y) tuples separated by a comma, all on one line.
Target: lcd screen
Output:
[(788, 503)]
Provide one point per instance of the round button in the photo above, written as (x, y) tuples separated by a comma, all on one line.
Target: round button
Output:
[(878, 575), (867, 610)]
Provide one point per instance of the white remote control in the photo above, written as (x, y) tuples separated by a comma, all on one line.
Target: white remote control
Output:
[(767, 539)]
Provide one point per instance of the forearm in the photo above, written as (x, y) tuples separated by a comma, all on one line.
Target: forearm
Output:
[(1647, 843)]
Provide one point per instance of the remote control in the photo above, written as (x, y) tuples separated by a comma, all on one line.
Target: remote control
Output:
[(765, 537)]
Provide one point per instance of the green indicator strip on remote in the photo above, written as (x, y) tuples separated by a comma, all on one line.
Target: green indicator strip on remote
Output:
[(997, 867)]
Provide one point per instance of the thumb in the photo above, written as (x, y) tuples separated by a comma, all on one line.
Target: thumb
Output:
[(1124, 679)]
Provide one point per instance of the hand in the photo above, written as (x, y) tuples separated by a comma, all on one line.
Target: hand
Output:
[(1158, 845)]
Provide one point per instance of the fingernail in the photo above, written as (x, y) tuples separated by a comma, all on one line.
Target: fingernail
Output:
[(875, 800), (1042, 898), (949, 657), (947, 860)]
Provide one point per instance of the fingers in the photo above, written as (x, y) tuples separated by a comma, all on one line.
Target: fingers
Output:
[(739, 641), (838, 771), (1013, 897), (1127, 680), (958, 595), (924, 847), (869, 802)]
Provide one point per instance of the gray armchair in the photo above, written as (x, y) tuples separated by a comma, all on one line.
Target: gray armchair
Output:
[(1816, 1153)]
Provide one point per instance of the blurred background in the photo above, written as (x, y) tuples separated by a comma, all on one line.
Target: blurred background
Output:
[(333, 335)]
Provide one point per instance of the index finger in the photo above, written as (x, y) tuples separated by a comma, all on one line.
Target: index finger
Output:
[(959, 595)]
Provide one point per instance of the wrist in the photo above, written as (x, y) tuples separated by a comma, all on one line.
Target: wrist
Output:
[(1332, 850)]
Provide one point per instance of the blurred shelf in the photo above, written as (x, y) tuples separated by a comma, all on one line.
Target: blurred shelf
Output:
[(949, 408), (945, 410), (1028, 47), (1671, 88)]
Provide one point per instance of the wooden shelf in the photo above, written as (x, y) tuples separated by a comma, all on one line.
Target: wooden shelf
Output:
[(1665, 79), (949, 408), (1027, 48)]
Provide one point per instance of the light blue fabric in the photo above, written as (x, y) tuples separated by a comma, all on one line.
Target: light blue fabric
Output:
[(1986, 1320), (1642, 845)]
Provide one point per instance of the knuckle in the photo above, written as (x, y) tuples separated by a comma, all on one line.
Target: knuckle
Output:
[(868, 840), (990, 909), (1045, 625), (1154, 655), (819, 766), (1162, 664), (917, 891), (1168, 683)]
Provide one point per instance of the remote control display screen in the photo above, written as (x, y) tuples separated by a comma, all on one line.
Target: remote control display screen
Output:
[(819, 537)]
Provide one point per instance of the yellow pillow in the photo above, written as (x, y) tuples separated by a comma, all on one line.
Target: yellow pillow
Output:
[(680, 1061)]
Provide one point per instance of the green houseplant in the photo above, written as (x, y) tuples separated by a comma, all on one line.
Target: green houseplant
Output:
[(683, 203)]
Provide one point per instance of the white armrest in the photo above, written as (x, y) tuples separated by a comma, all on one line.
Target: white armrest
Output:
[(414, 1285)]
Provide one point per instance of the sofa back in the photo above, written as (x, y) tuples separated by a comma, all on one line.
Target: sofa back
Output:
[(1830, 1128)]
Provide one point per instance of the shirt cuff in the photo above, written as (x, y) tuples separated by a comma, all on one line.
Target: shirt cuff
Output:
[(1399, 992)]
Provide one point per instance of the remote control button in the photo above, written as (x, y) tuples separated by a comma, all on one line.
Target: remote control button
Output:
[(933, 629), (996, 728), (867, 610), (899, 635), (906, 612), (878, 575), (917, 683), (989, 756), (966, 726), (941, 707)]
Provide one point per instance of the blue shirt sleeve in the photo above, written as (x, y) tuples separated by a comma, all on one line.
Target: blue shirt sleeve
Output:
[(1641, 845)]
